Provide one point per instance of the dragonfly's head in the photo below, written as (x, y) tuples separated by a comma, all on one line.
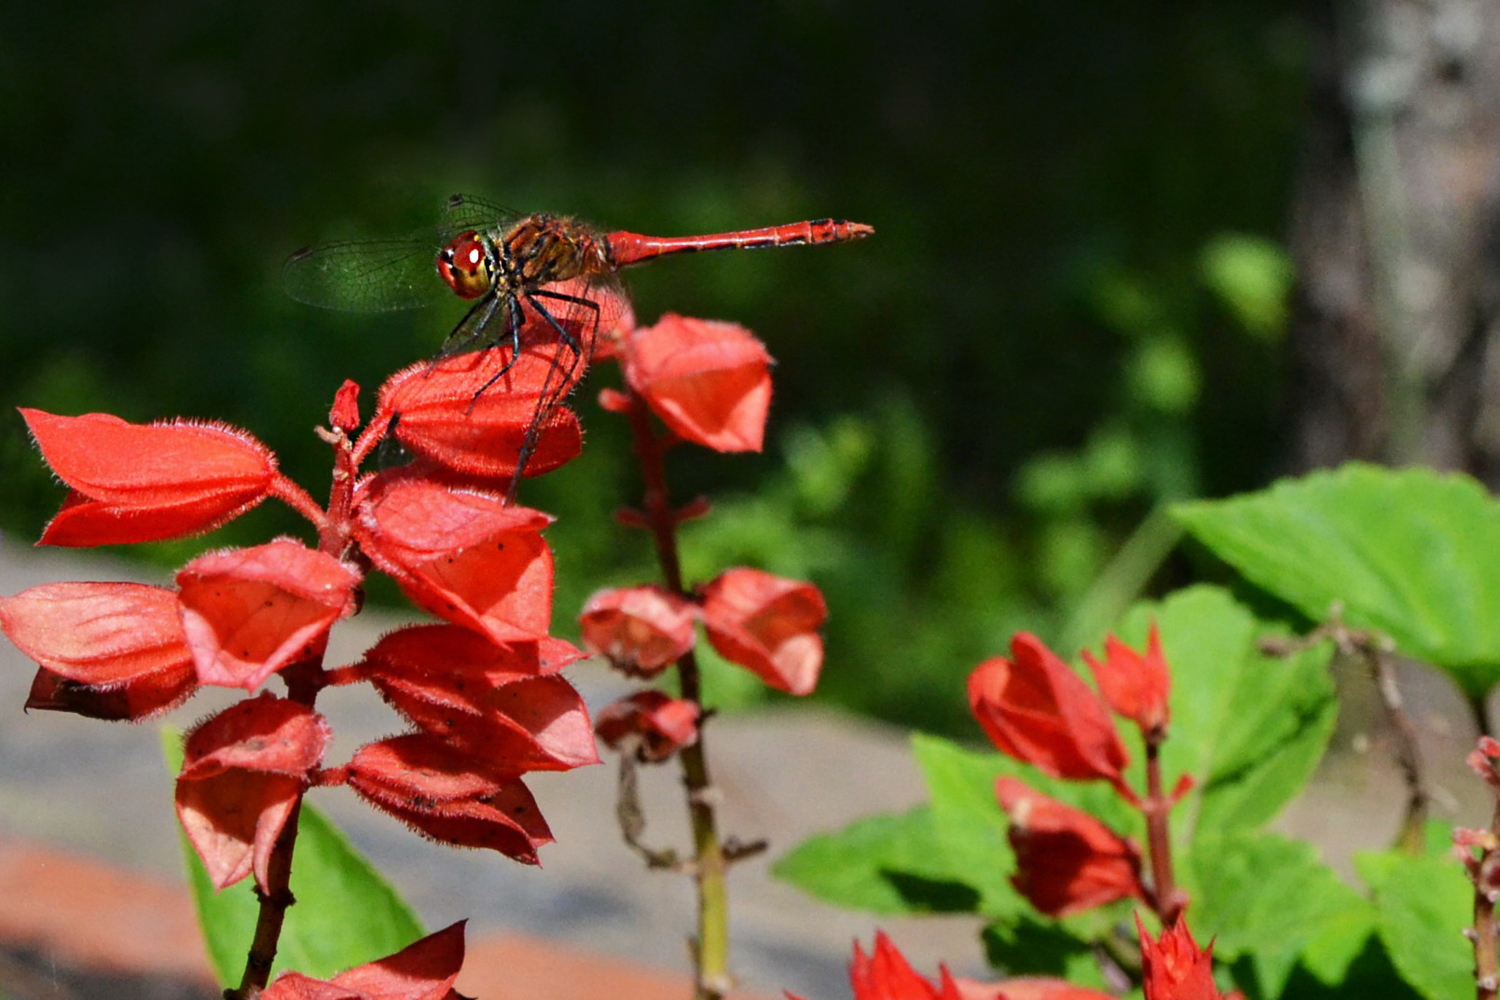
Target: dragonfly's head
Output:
[(467, 264)]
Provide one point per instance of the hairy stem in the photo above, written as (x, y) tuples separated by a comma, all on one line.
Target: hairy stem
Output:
[(711, 947)]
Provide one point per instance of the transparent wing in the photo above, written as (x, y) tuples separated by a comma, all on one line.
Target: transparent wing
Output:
[(465, 211), (366, 275)]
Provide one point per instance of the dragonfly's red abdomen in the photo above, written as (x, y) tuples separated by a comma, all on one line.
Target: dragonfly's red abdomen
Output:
[(632, 248), (467, 265)]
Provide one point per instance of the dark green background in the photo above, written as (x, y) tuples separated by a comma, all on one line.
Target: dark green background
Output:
[(973, 409)]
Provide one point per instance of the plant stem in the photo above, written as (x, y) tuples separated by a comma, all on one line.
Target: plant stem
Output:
[(711, 947), (1157, 809)]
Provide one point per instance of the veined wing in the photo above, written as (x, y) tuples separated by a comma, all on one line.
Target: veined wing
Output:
[(366, 275)]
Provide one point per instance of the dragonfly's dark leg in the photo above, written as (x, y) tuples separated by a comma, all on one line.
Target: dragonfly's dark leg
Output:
[(513, 335), (545, 400)]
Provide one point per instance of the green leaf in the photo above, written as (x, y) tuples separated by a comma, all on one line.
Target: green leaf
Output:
[(1271, 901), (1030, 947), (346, 913), (1407, 552), (1423, 905), (884, 864), (1250, 729)]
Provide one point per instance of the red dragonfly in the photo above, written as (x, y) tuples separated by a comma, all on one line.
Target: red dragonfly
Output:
[(529, 277)]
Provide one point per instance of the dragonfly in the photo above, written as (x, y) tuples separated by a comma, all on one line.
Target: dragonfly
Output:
[(528, 278)]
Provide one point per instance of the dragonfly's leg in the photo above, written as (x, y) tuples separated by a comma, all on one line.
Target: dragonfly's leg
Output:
[(467, 333), (567, 338), (548, 397), (512, 334)]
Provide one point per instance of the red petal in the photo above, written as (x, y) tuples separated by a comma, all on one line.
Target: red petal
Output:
[(344, 415), (709, 381), (767, 624), (249, 612), (539, 724), (418, 650), (443, 421), (233, 819), (424, 970), (641, 630), (1066, 860), (100, 634), (266, 733), (296, 986), (1135, 684), (463, 556), (1036, 709), (202, 473), (661, 725), (1174, 967), (449, 795), (85, 522), (138, 699), (886, 975)]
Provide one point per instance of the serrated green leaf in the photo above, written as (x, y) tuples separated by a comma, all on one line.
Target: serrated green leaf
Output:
[(1270, 900), (883, 864), (1423, 905), (1407, 552), (346, 913), (1249, 728)]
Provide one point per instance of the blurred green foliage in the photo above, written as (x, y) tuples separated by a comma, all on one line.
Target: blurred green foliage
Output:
[(1069, 315)]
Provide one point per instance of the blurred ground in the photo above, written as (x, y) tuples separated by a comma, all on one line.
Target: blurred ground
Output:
[(101, 790)]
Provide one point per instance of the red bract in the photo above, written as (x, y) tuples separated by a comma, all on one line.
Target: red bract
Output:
[(464, 556), (141, 482), (249, 612), (650, 724), (242, 773), (1066, 860), (443, 421), (540, 724), (421, 650), (709, 381), (1174, 967), (425, 970), (767, 624), (450, 795), (885, 974), (1135, 684), (640, 630), (105, 650), (1037, 710)]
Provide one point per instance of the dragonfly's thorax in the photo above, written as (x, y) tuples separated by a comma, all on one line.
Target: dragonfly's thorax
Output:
[(541, 249)]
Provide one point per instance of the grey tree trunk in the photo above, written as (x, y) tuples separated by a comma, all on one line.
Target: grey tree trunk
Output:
[(1396, 234)]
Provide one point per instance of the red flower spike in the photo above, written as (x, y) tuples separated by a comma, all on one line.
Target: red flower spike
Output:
[(249, 612), (1037, 710), (444, 422), (767, 624), (138, 699), (464, 556), (100, 634), (658, 725), (1066, 860), (709, 381), (1174, 967), (344, 415), (141, 482), (425, 970), (449, 795), (242, 772), (640, 630), (540, 724), (1135, 684), (421, 650)]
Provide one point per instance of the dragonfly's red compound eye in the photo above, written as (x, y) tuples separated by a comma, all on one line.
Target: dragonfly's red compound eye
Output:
[(465, 265)]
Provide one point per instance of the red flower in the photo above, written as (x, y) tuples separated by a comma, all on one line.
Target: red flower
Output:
[(450, 795), (463, 555), (105, 650), (141, 482), (640, 630), (767, 624), (243, 770), (1037, 710), (425, 970), (1174, 967), (422, 650), (1066, 860), (249, 612), (649, 725), (443, 421), (709, 381), (1135, 684)]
